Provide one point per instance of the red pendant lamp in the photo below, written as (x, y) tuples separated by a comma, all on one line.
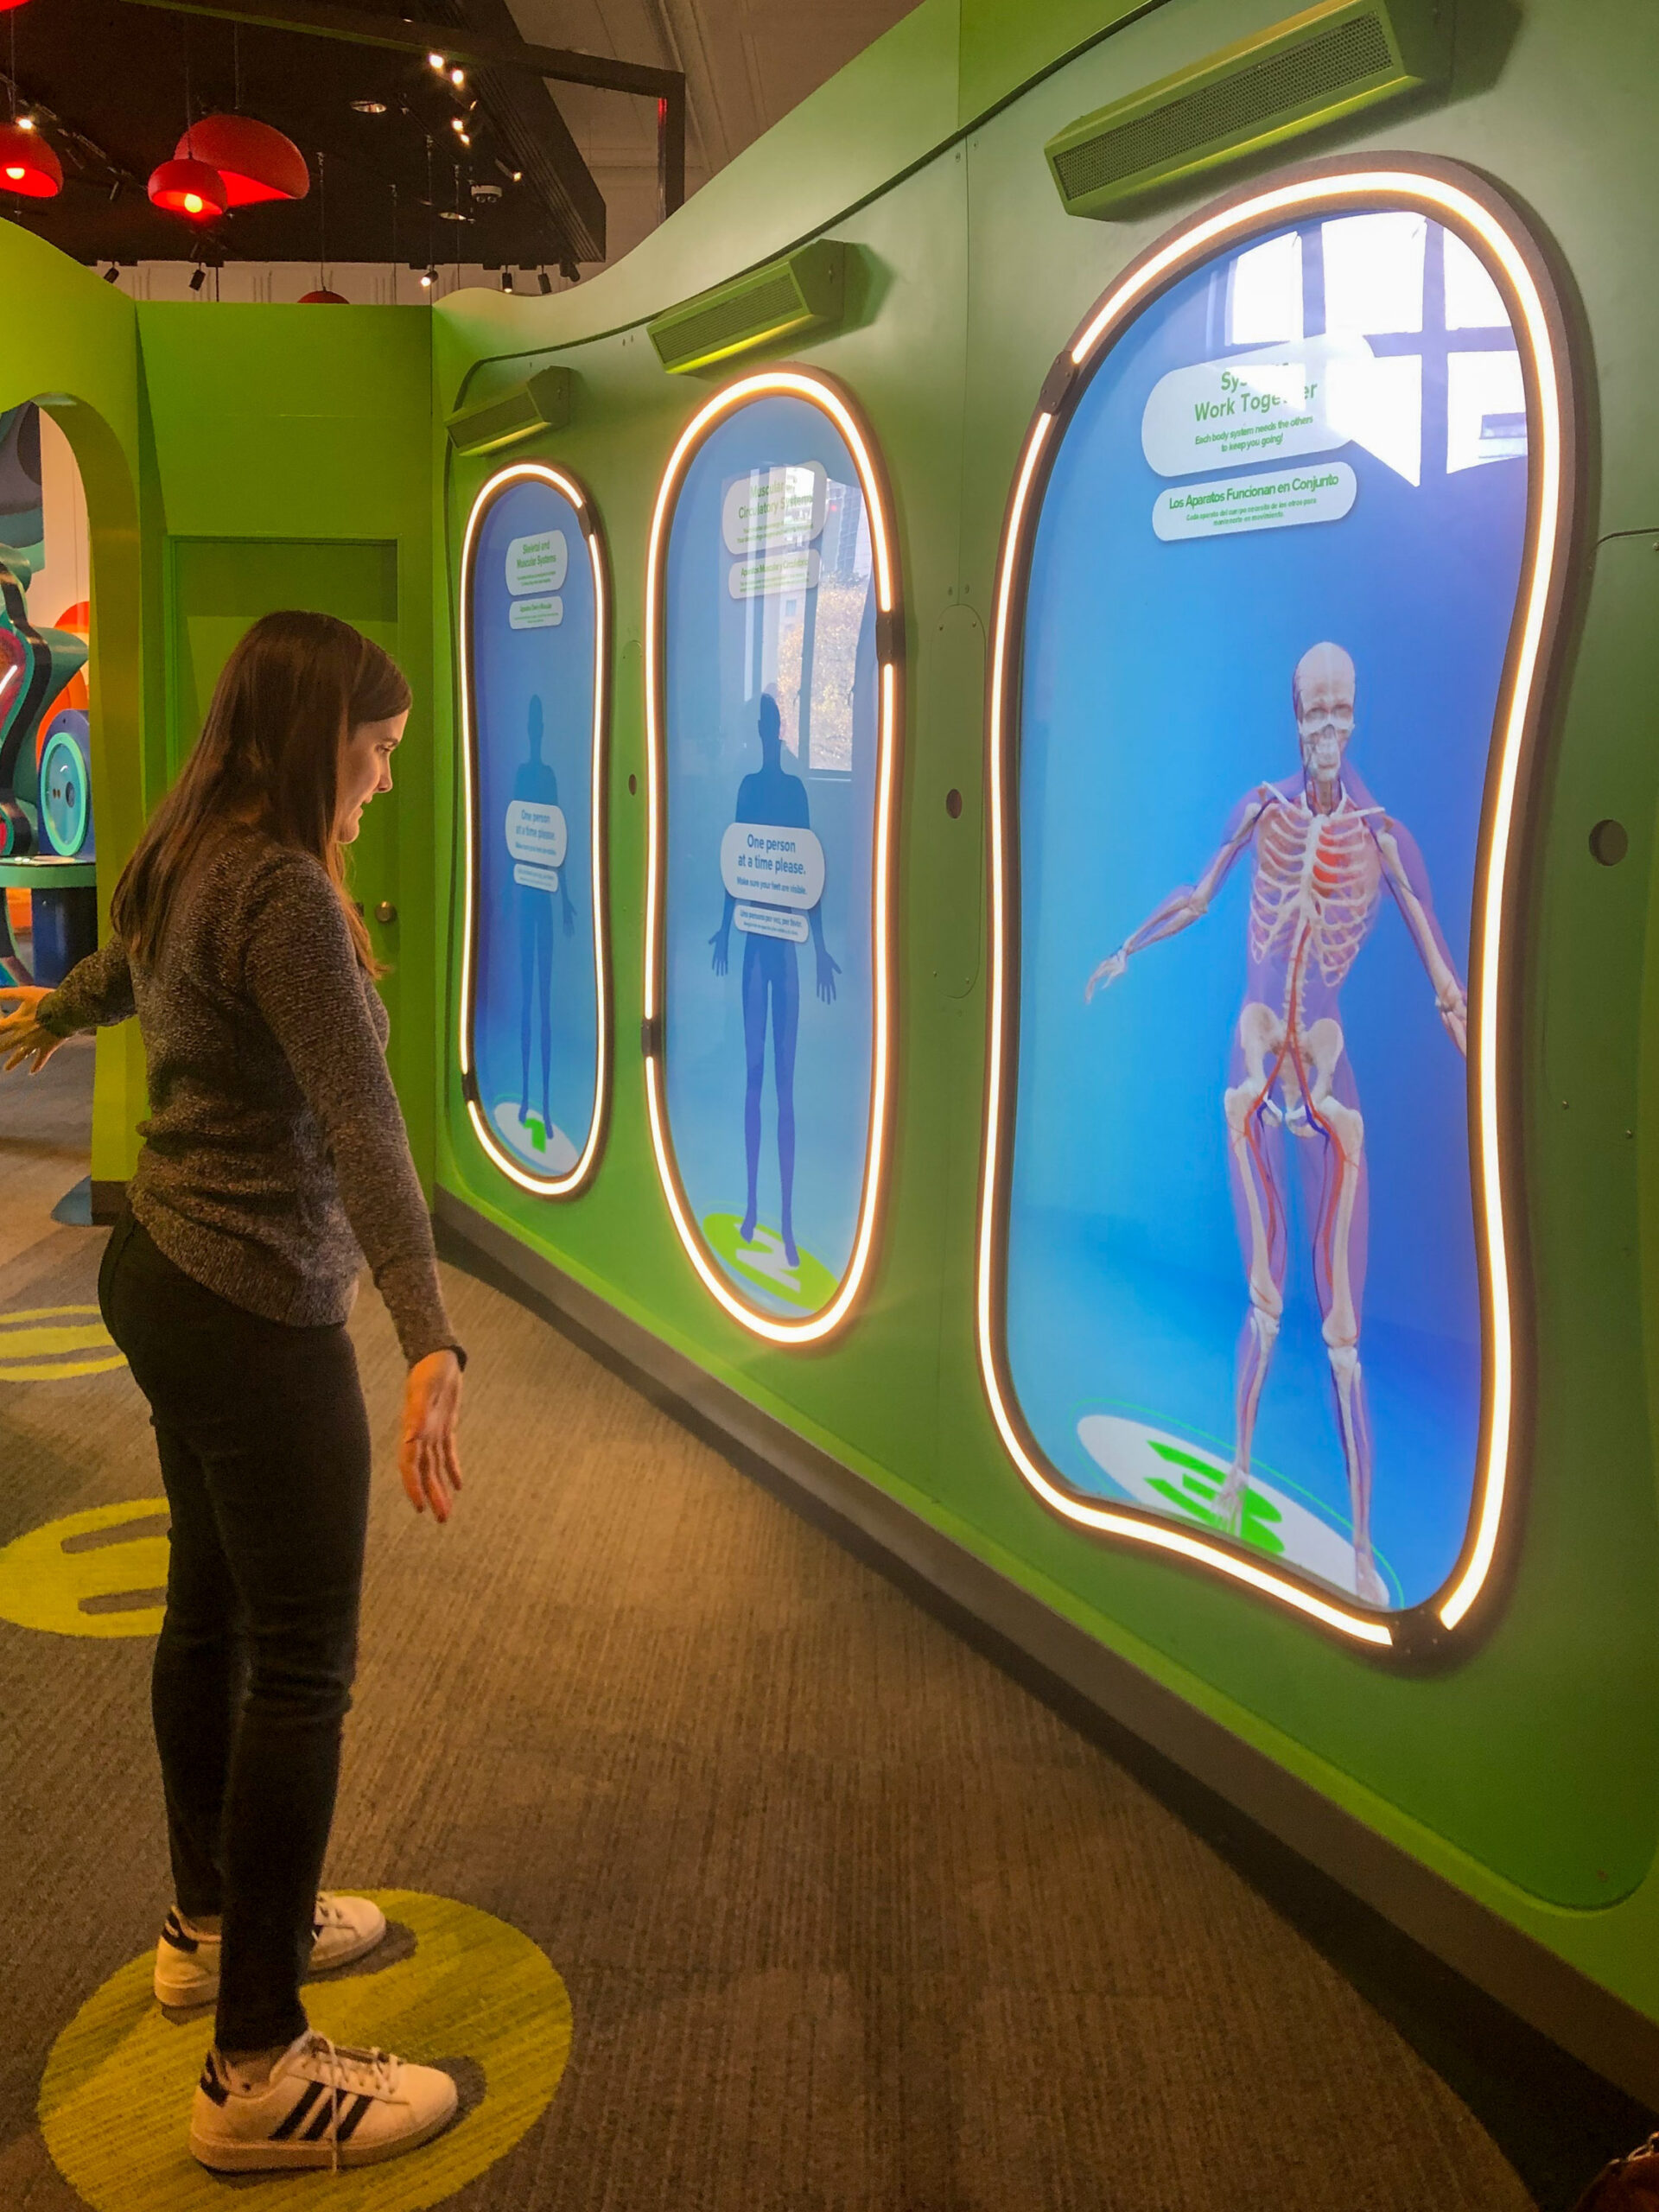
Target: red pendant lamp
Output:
[(324, 299), (254, 162), (188, 189), (28, 165)]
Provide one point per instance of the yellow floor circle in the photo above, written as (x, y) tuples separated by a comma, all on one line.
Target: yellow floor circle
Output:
[(115, 2100), (54, 1343), (82, 1576)]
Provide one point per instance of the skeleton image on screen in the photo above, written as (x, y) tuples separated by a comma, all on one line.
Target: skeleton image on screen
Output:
[(1323, 852)]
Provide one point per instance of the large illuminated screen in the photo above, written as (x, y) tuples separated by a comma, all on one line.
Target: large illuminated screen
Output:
[(533, 614), (1272, 587), (772, 751)]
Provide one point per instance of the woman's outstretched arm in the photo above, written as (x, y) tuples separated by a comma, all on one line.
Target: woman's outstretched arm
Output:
[(96, 992)]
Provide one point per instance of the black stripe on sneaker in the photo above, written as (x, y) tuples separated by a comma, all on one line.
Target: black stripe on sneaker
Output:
[(352, 2118), (173, 1933), (319, 2126), (212, 2087), (281, 2133)]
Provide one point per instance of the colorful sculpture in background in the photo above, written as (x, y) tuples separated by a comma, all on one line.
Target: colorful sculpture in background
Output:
[(45, 805), (1323, 853)]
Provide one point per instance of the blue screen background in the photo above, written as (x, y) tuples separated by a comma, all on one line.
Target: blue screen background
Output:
[(1155, 695), (712, 706), (510, 667)]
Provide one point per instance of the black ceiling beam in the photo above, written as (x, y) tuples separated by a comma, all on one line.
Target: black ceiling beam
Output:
[(477, 49), (554, 163), (527, 122)]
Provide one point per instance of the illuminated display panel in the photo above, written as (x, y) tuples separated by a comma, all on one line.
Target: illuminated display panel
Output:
[(773, 704), (1279, 575), (535, 1046)]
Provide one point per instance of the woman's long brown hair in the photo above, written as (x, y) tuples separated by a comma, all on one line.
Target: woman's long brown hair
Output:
[(268, 755)]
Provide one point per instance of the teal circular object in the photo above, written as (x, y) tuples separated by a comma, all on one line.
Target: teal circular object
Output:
[(65, 786)]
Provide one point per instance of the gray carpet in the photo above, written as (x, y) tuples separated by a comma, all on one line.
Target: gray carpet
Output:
[(849, 1919)]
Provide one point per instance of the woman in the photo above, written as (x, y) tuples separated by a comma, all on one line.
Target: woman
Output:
[(275, 1149)]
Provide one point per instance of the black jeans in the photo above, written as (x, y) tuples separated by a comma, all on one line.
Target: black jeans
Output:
[(264, 1449)]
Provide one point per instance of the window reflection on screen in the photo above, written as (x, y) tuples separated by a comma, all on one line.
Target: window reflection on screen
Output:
[(801, 632)]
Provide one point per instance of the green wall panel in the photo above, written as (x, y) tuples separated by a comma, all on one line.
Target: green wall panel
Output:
[(1527, 1771), (293, 456)]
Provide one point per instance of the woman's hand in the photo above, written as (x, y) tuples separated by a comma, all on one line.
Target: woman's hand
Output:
[(21, 1037), (426, 1459)]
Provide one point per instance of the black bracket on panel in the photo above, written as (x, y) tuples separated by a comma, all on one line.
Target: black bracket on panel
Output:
[(1057, 384)]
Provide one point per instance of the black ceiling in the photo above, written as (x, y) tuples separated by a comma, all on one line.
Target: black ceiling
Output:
[(107, 80)]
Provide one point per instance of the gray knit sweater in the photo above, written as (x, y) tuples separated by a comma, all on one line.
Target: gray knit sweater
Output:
[(274, 1131)]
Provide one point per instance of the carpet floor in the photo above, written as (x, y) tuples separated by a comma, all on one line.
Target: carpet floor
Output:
[(848, 1919)]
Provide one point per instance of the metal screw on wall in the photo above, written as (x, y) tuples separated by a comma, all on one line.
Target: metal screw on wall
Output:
[(385, 913)]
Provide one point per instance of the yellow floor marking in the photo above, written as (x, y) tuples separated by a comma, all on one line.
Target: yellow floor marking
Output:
[(115, 2099), (31, 1354), (42, 1584)]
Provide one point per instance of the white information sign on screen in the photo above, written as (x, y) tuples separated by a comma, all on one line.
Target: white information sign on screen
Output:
[(1269, 404), (537, 563), (1274, 499), (770, 921), (536, 832), (766, 575), (535, 614), (772, 861), (774, 506), (534, 878)]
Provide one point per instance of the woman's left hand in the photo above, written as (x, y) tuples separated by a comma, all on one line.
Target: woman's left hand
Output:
[(426, 1459), (22, 1038)]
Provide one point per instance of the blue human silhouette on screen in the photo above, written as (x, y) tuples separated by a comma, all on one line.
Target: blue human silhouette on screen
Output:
[(535, 782), (771, 983)]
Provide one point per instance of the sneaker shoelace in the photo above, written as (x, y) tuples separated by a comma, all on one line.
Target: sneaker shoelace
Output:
[(350, 2071)]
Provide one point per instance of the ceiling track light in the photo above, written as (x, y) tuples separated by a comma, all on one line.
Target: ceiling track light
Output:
[(198, 279), (457, 77), (506, 280), (436, 61), (113, 274), (428, 278), (543, 282)]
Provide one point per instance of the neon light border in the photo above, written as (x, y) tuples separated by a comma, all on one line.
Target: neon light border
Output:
[(1465, 204), (542, 1186), (819, 391)]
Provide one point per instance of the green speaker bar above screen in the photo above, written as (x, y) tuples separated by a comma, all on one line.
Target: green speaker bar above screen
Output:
[(1312, 68), (804, 291), (541, 403)]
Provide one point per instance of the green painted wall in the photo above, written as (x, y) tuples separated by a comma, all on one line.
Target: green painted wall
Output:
[(291, 453), (238, 459), (1529, 1772)]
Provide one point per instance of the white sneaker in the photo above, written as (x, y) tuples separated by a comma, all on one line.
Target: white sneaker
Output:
[(186, 1958), (324, 2104)]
